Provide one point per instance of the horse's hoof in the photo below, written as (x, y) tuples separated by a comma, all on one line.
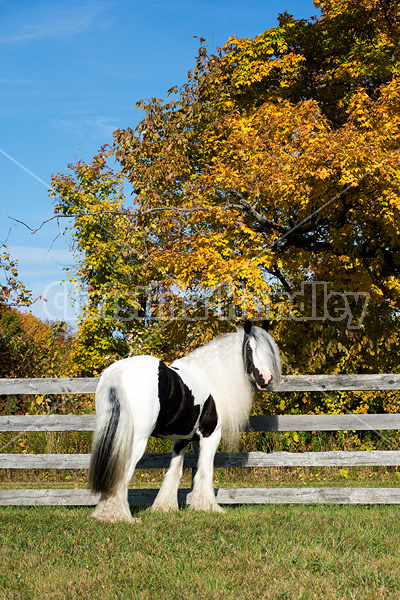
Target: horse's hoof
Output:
[(106, 516), (112, 519), (116, 520)]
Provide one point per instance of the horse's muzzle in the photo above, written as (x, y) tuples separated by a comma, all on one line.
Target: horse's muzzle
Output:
[(262, 386)]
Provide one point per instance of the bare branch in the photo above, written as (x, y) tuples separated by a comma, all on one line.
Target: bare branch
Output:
[(6, 240), (279, 275), (73, 216)]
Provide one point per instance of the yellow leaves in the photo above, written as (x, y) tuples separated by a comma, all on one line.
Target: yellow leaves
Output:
[(251, 61), (281, 158), (393, 285), (323, 173)]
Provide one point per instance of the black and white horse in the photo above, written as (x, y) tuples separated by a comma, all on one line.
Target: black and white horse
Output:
[(204, 395)]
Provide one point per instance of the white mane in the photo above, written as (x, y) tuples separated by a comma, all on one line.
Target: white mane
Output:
[(221, 362)]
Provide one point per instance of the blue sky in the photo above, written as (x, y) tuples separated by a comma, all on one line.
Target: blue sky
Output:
[(70, 73)]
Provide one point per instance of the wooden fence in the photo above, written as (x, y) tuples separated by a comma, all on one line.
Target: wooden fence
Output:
[(297, 383)]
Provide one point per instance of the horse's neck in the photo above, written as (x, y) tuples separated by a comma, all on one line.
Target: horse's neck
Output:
[(221, 362), (219, 356)]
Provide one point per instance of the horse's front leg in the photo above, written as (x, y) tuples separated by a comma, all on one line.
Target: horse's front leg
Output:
[(203, 496), (167, 497)]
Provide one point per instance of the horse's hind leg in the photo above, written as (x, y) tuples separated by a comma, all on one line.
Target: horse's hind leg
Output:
[(167, 497), (203, 496), (114, 507)]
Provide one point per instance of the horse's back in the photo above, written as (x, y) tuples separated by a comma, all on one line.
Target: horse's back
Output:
[(141, 368), (164, 400), (142, 374), (135, 382), (193, 378)]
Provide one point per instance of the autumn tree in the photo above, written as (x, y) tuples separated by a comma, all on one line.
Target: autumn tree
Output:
[(30, 347), (12, 290), (110, 267), (278, 164), (126, 308)]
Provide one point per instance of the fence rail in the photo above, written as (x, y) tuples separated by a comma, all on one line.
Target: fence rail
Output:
[(258, 423), (348, 422), (290, 383)]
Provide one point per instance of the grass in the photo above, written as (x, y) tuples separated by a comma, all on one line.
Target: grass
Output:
[(250, 552), (223, 478), (79, 442), (269, 552)]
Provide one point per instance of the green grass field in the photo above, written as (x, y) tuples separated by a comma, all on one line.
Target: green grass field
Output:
[(228, 477), (271, 552)]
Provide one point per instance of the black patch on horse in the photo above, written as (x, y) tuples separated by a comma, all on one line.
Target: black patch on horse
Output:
[(248, 357), (250, 367), (179, 445), (208, 418), (178, 414)]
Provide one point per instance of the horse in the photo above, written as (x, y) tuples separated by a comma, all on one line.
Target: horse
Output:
[(204, 395)]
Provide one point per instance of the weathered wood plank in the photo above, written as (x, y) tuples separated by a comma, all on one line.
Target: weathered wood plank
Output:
[(47, 423), (323, 495), (47, 497), (347, 422), (257, 423), (44, 461), (368, 458), (49, 385), (290, 383), (322, 383), (159, 460)]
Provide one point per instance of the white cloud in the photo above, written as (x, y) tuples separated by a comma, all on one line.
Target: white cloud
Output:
[(90, 126), (30, 254), (50, 20)]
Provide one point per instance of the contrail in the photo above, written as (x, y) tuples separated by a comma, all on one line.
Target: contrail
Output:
[(25, 169)]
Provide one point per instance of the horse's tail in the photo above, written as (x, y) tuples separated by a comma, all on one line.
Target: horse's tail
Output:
[(112, 440)]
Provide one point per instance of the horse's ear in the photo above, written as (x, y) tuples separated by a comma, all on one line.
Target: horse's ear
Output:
[(247, 326), (266, 325)]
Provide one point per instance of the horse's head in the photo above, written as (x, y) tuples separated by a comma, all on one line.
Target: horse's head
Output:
[(261, 357)]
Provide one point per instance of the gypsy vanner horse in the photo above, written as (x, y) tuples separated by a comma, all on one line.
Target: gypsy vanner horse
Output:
[(203, 395)]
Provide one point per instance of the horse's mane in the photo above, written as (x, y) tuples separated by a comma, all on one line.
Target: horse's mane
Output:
[(221, 362)]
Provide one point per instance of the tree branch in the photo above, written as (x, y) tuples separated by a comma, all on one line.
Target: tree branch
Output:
[(126, 213), (246, 207), (179, 209)]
